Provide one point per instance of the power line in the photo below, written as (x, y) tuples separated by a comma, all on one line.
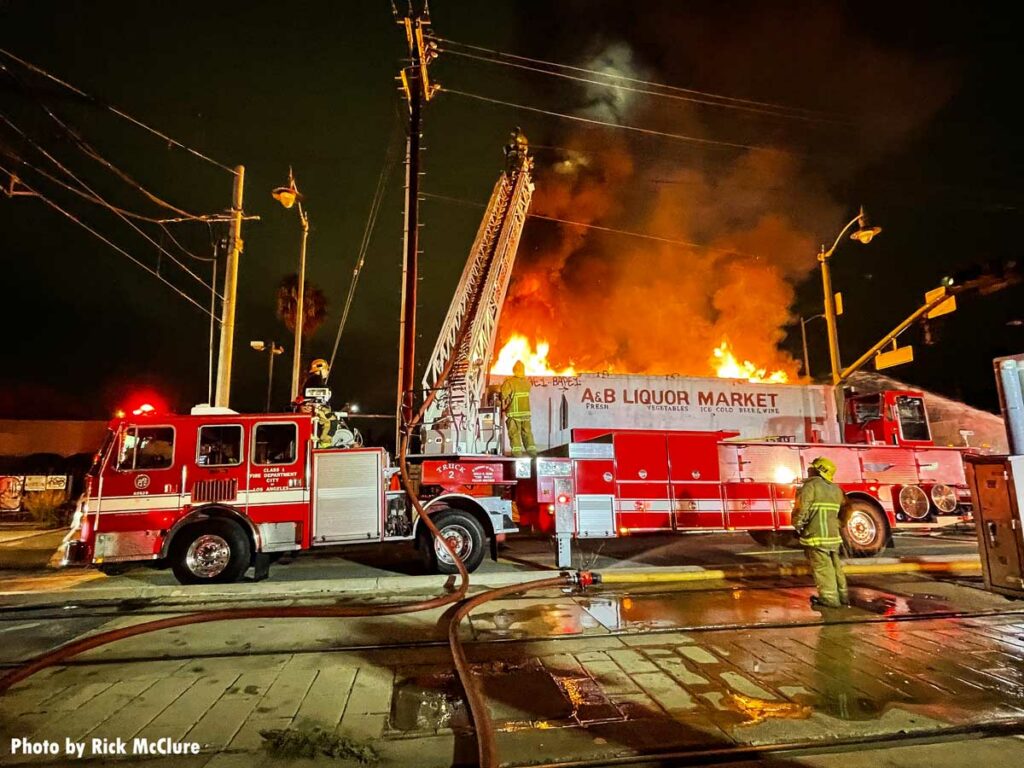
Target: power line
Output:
[(620, 126), (639, 81), (378, 197), (130, 214), (99, 198), (90, 151), (770, 112), (124, 115), (113, 245), (600, 228)]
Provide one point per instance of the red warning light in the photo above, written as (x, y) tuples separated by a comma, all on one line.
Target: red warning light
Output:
[(144, 410), (563, 498)]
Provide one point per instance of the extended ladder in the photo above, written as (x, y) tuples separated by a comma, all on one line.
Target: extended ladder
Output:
[(454, 424)]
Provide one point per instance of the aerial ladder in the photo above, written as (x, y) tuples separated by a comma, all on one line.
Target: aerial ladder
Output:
[(460, 421)]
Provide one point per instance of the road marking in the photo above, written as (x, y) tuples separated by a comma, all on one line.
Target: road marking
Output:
[(21, 626), (762, 552)]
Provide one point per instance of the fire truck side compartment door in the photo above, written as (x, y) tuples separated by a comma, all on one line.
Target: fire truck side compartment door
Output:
[(348, 498)]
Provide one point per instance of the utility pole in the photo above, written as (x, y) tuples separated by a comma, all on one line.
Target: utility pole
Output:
[(418, 89), (830, 314), (227, 322), (300, 307)]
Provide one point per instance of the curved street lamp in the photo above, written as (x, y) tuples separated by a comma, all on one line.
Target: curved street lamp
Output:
[(864, 234), (288, 196)]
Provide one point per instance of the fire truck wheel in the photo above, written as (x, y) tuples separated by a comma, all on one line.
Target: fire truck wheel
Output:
[(465, 535), (864, 528), (213, 551)]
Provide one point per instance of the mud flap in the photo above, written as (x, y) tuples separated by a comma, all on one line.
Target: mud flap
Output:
[(261, 566)]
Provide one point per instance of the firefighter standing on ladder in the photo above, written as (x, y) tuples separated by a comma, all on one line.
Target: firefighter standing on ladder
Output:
[(515, 401), (816, 520)]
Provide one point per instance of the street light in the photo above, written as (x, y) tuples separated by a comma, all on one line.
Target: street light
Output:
[(289, 196), (864, 235), (272, 350), (803, 337)]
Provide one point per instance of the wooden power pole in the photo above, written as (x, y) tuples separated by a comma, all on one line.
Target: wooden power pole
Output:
[(227, 323), (418, 89)]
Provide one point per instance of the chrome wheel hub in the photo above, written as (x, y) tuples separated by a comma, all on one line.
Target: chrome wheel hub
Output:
[(459, 538), (861, 528), (208, 556)]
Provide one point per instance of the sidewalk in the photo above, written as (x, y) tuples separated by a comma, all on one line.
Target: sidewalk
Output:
[(612, 688), (28, 548)]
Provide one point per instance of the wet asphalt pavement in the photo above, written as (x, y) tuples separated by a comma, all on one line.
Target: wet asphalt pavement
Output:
[(715, 668)]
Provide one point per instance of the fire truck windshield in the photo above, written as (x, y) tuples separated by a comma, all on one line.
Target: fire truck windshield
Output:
[(146, 448), (913, 420), (865, 410)]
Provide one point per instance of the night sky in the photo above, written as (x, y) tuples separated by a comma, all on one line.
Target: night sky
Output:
[(924, 90)]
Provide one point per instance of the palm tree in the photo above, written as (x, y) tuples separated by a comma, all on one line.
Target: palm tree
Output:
[(313, 299)]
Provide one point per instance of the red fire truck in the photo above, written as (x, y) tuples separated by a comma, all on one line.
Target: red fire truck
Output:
[(208, 493), (614, 482)]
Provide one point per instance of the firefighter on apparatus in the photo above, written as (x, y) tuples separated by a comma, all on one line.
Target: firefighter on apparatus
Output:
[(325, 420), (317, 376), (816, 520), (516, 149), (515, 401)]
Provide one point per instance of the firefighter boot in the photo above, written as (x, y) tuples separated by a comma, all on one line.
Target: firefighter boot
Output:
[(841, 587), (823, 570), (515, 436), (526, 430)]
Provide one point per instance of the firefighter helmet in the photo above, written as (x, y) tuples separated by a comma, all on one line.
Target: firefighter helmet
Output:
[(319, 366), (824, 467), (518, 368)]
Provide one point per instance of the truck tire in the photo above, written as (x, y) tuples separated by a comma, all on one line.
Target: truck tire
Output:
[(215, 551), (463, 531), (864, 528), (785, 539)]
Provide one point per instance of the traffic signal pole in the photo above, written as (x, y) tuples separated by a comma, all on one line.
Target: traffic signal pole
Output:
[(227, 323)]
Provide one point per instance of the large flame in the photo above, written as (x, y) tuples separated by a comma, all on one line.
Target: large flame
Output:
[(728, 366), (518, 347)]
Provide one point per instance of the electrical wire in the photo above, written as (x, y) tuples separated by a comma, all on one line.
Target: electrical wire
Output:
[(599, 228), (619, 126), (626, 78), (91, 152), (113, 245), (124, 115), (86, 187), (390, 159), (220, 217), (765, 111)]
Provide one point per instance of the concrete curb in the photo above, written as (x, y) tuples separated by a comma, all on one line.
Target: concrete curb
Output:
[(434, 584)]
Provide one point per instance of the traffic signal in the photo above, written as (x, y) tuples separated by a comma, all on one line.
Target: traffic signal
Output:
[(985, 277)]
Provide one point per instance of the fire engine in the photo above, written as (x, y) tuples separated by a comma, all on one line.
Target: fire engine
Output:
[(212, 492), (206, 493)]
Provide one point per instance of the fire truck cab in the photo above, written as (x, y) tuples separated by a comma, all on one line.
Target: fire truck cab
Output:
[(891, 417), (208, 493)]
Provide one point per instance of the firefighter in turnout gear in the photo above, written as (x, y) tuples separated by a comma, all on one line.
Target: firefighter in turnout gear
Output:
[(515, 401), (816, 520), (317, 377)]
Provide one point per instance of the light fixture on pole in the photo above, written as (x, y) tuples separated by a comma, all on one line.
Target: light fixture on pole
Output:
[(864, 234), (288, 196), (272, 350)]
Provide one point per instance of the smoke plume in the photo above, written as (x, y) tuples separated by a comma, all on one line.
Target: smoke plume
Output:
[(733, 231)]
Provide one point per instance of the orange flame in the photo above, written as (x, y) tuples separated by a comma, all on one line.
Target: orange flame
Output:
[(518, 347), (727, 366)]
